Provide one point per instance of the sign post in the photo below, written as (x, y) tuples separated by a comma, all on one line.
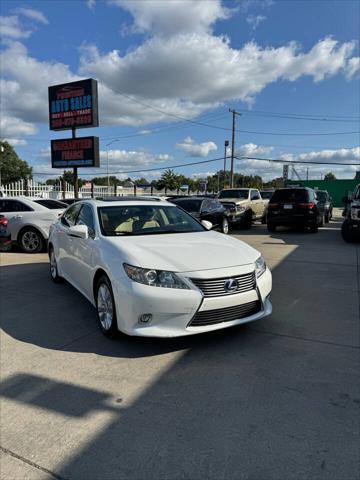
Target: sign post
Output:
[(71, 106)]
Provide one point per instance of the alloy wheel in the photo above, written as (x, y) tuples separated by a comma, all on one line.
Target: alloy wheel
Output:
[(105, 306)]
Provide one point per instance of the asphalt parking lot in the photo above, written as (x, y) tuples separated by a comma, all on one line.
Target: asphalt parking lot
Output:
[(277, 399)]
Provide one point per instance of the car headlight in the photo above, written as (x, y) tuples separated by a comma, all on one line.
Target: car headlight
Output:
[(355, 213), (260, 266), (155, 278), (239, 208)]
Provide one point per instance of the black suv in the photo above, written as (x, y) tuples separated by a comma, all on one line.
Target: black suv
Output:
[(295, 207), (204, 208), (350, 228), (325, 200)]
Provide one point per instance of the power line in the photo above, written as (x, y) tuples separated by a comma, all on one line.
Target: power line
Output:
[(297, 116), (273, 160)]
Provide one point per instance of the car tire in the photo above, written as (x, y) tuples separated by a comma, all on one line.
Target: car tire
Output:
[(105, 307), (271, 227), (346, 232), (263, 219), (314, 228), (30, 240), (225, 226), (55, 277), (327, 218), (247, 221)]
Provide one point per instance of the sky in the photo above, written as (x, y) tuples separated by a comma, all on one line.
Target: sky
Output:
[(168, 72)]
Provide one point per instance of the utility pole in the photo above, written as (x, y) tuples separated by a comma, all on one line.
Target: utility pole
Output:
[(75, 175), (234, 112), (226, 144), (307, 173)]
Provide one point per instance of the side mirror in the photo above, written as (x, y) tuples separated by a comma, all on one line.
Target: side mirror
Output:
[(79, 231), (206, 224)]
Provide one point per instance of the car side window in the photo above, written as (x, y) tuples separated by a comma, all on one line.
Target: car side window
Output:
[(255, 195), (71, 214), (86, 217), (14, 206), (205, 207)]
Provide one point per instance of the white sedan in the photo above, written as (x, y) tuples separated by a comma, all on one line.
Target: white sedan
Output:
[(151, 269), (29, 220)]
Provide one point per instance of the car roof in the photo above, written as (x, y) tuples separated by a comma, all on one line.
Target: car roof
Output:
[(121, 201), (28, 201)]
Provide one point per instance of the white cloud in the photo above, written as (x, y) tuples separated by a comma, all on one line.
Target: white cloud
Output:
[(202, 175), (251, 149), (33, 14), (14, 127), (268, 170), (193, 149), (131, 159), (168, 18), (352, 67), (204, 69), (91, 4), (11, 28), (255, 20)]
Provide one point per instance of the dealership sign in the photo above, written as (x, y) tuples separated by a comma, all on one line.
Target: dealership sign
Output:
[(73, 105), (75, 152)]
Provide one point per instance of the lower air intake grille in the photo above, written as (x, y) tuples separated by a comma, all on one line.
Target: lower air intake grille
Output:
[(211, 317)]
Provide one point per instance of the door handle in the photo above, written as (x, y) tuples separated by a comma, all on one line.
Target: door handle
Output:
[(18, 216)]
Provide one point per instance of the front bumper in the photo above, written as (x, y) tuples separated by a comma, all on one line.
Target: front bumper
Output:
[(172, 310)]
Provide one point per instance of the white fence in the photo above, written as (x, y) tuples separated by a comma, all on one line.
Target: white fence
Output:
[(60, 191)]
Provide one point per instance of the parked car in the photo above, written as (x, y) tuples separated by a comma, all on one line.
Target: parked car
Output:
[(29, 222), (295, 207), (244, 205), (151, 269), (266, 195), (350, 228), (50, 203), (325, 200), (203, 208), (5, 237)]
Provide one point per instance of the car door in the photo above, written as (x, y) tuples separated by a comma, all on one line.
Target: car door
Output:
[(257, 204), (81, 252), (63, 243)]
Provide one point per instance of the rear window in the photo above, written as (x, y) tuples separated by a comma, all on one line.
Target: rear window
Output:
[(51, 204), (290, 195)]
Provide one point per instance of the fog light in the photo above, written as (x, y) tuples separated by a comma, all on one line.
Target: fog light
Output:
[(145, 318)]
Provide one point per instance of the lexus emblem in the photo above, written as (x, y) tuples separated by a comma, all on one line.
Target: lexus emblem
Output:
[(230, 285)]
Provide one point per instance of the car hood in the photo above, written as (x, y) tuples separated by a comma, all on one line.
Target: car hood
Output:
[(238, 201), (185, 252)]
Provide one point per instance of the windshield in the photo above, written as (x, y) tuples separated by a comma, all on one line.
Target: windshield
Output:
[(146, 220), (190, 205), (322, 196), (266, 195), (234, 194)]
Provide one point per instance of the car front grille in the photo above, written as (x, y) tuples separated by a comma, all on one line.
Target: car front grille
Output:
[(215, 287), (227, 314)]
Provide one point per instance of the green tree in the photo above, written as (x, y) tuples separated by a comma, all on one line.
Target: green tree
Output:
[(69, 178), (329, 176), (168, 180), (12, 168)]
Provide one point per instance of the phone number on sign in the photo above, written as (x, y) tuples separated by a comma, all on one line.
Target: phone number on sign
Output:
[(71, 122)]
